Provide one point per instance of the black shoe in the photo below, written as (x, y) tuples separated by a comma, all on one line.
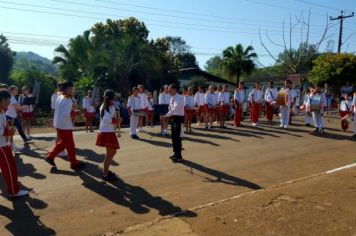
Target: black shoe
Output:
[(135, 137), (172, 157), (307, 125), (79, 166), (51, 162), (354, 136), (110, 177), (316, 130), (177, 159), (322, 131)]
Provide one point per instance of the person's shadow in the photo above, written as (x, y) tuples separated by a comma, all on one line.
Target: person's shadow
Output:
[(121, 193), (91, 155), (220, 177), (23, 220)]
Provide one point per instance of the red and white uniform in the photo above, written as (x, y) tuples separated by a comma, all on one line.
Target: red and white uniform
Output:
[(354, 111), (199, 99), (107, 136), (7, 161), (27, 110), (211, 101), (63, 123), (255, 99), (224, 102), (54, 99), (239, 100), (150, 109), (345, 109), (11, 110), (143, 101), (89, 109), (270, 96), (189, 105)]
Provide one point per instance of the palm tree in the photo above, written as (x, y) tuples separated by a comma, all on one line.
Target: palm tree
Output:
[(237, 61)]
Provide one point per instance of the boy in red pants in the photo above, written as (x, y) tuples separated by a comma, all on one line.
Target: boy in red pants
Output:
[(7, 161), (64, 125)]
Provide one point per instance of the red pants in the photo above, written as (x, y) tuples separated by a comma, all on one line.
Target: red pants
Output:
[(344, 124), (9, 170), (64, 141), (238, 115), (255, 111), (269, 111)]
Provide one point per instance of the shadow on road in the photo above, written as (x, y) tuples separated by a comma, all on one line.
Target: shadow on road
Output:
[(91, 155), (23, 220), (220, 177)]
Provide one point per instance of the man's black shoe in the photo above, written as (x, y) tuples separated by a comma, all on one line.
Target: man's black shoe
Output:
[(51, 162), (135, 137)]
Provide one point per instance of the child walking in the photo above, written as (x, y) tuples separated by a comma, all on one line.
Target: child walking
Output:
[(107, 137)]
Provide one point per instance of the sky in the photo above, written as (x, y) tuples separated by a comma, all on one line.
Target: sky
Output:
[(208, 26)]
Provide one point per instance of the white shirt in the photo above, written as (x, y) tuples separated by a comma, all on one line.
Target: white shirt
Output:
[(150, 104), (199, 99), (3, 122), (239, 95), (322, 101), (134, 103), (224, 98), (189, 101), (211, 99), (25, 108), (346, 106), (164, 98), (256, 96), (11, 111), (106, 124), (144, 100), (62, 113), (53, 100), (271, 94), (176, 106), (88, 104)]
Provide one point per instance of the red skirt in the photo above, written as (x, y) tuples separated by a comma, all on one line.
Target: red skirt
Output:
[(28, 116), (90, 115), (189, 113), (225, 109), (211, 110), (107, 139)]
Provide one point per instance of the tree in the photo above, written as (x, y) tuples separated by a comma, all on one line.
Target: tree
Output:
[(6, 60), (334, 69), (214, 66), (237, 61)]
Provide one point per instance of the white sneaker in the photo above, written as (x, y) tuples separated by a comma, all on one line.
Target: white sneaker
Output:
[(165, 132), (198, 123), (281, 126), (21, 193), (62, 154), (254, 124), (286, 126)]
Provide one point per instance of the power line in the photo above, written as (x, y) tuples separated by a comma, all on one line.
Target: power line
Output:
[(319, 5)]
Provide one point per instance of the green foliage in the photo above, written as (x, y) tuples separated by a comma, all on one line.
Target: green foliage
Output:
[(6, 60), (197, 82), (334, 69), (238, 61), (214, 66)]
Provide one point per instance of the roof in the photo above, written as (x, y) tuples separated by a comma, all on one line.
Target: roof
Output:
[(187, 72)]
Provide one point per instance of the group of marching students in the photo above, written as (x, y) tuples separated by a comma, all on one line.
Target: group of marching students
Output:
[(213, 105)]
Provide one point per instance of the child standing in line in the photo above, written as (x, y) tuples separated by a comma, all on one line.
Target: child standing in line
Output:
[(107, 137), (345, 112), (7, 161)]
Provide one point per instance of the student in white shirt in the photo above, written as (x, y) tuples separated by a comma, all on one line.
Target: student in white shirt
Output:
[(308, 118), (200, 103), (144, 105), (149, 116), (255, 100), (64, 125), (270, 97), (7, 161), (27, 110), (107, 137), (89, 107), (285, 107), (211, 101), (135, 108), (224, 105), (239, 100), (318, 96), (176, 114), (189, 109), (163, 103), (345, 111)]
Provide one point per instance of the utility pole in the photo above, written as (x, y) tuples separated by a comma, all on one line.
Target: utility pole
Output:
[(341, 19)]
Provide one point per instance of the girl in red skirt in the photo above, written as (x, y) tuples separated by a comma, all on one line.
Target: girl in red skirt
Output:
[(189, 109), (107, 137)]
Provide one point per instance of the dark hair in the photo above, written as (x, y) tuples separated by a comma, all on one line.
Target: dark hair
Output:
[(108, 96), (174, 86), (162, 89), (26, 88), (65, 85), (12, 88), (289, 81), (4, 95)]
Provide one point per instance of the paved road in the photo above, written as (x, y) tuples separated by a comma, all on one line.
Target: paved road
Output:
[(219, 164)]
